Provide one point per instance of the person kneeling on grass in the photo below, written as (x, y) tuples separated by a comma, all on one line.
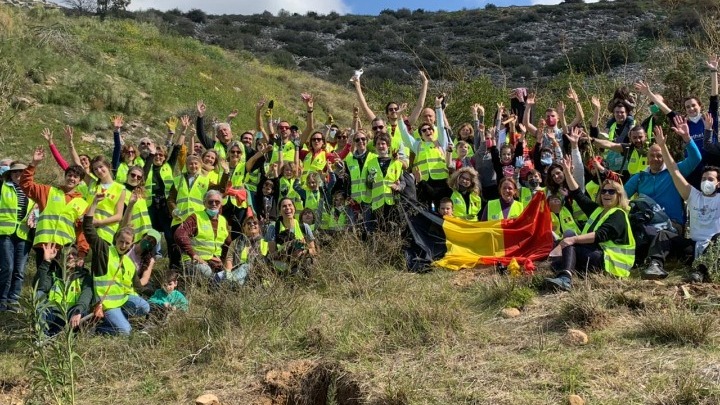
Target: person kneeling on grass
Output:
[(168, 298), (113, 273), (66, 285), (606, 242), (204, 238)]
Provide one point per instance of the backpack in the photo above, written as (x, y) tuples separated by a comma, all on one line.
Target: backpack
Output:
[(647, 218)]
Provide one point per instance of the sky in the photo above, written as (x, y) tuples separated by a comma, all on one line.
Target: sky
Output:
[(323, 6)]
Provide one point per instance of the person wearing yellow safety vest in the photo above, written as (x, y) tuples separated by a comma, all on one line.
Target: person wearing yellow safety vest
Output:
[(65, 285), (109, 212), (113, 274), (204, 238), (136, 210), (158, 173), (606, 241), (634, 153), (350, 177), (237, 198), (314, 194), (533, 181), (563, 223), (247, 256), (315, 159), (223, 133), (61, 208), (466, 200), (384, 180), (618, 128), (186, 198), (211, 166), (124, 156), (506, 207), (430, 157), (556, 180), (291, 243), (338, 218), (16, 233)]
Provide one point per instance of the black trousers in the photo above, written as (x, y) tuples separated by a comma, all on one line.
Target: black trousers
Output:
[(580, 259)]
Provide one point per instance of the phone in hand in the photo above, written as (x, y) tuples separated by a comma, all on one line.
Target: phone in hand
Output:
[(271, 104)]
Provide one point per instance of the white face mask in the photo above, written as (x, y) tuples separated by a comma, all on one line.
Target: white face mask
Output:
[(696, 118), (708, 187)]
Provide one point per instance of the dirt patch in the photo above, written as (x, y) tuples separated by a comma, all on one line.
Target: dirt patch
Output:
[(13, 392), (309, 382)]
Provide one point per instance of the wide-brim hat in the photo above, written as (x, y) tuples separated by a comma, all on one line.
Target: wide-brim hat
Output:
[(17, 167)]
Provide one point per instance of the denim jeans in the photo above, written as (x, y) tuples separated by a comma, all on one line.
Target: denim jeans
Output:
[(13, 257), (238, 275), (116, 319)]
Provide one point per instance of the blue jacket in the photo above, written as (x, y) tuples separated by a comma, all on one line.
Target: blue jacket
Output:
[(660, 187)]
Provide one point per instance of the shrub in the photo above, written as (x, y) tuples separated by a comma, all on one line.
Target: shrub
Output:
[(585, 308), (678, 325)]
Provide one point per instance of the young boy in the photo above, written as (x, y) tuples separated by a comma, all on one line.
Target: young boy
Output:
[(446, 207), (168, 298)]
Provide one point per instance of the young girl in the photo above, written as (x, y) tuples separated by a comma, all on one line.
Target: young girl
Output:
[(110, 210), (465, 198)]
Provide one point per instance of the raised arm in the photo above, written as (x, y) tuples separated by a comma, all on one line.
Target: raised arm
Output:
[(442, 135), (605, 144), (47, 134), (713, 108), (681, 184), (596, 112), (127, 215), (529, 104), (309, 120), (578, 169), (117, 121), (644, 88), (579, 114), (361, 99), (478, 116), (73, 152), (259, 126), (415, 114), (206, 140)]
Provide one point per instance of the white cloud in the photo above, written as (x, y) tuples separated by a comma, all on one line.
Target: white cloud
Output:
[(245, 6)]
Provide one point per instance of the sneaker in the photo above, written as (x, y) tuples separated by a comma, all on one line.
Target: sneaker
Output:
[(700, 276), (561, 282), (654, 271)]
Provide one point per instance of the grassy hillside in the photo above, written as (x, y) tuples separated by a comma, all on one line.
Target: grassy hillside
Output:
[(57, 70)]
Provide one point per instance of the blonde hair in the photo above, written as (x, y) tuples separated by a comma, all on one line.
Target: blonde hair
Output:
[(623, 202), (453, 180)]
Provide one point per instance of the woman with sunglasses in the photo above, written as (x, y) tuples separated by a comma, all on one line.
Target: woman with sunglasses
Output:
[(606, 242), (136, 210), (247, 256), (315, 158), (430, 157), (125, 155), (556, 181)]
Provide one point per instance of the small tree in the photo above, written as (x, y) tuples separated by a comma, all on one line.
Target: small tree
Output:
[(113, 6), (85, 6)]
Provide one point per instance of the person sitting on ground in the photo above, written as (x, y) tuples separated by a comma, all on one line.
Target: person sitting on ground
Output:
[(66, 285), (704, 208), (606, 242), (204, 238), (113, 273), (168, 298), (506, 207), (247, 255), (466, 200), (564, 224), (290, 243)]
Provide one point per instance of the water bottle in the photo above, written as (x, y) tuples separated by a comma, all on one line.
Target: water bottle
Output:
[(432, 207)]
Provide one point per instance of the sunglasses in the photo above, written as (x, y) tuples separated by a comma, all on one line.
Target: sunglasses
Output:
[(214, 202), (341, 137), (393, 109), (135, 176), (251, 223), (236, 152), (317, 139), (610, 191), (358, 140), (427, 129), (131, 151), (159, 155), (379, 127), (283, 127), (144, 143)]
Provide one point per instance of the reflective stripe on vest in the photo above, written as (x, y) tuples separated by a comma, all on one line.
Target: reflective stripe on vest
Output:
[(246, 251), (637, 162), (106, 209), (56, 223), (495, 212), (461, 211), (564, 221), (166, 174), (431, 162), (189, 200), (65, 297), (9, 211), (358, 187), (208, 243), (381, 193), (114, 287), (618, 259), (140, 219)]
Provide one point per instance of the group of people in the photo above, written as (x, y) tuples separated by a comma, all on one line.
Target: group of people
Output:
[(231, 209)]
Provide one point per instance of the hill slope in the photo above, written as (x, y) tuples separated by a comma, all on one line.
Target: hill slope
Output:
[(59, 70)]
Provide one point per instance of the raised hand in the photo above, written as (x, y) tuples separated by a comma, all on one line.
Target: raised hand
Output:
[(680, 127), (659, 136), (572, 95), (50, 251), (522, 129), (225, 166), (233, 114), (642, 87), (708, 120), (574, 135), (259, 105), (566, 163), (560, 108), (117, 121), (185, 121), (38, 155), (438, 101), (69, 133), (530, 99), (595, 102), (134, 196), (712, 63), (201, 108), (423, 77), (402, 108), (48, 135), (171, 123)]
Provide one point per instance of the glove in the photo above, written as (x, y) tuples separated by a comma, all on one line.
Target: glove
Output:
[(171, 124)]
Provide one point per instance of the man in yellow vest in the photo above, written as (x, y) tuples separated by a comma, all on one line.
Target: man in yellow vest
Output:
[(61, 208), (634, 153), (618, 129), (204, 238)]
